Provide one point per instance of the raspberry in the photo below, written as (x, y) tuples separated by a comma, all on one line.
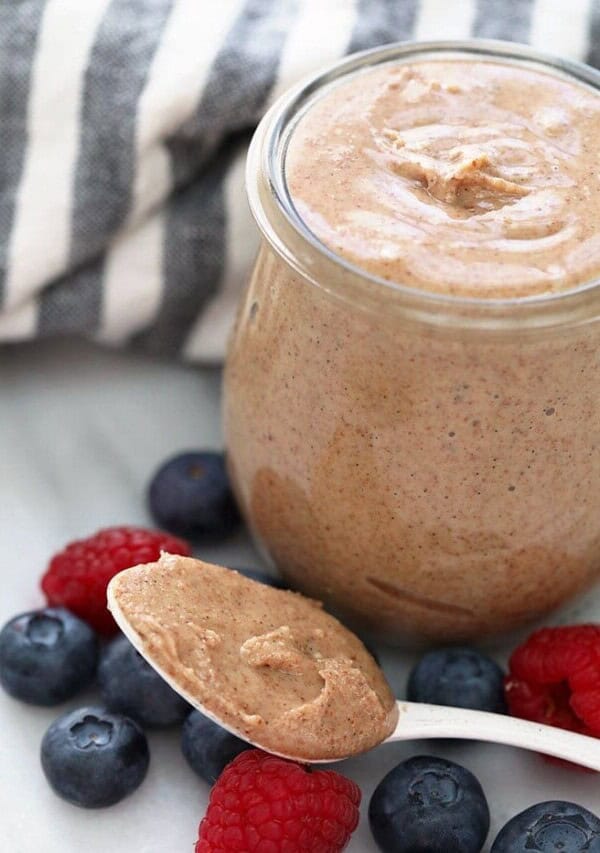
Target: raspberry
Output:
[(554, 678), (77, 577), (264, 804)]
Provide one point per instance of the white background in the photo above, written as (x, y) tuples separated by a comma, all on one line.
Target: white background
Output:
[(81, 431)]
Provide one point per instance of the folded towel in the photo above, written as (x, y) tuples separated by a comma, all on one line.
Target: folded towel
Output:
[(123, 130)]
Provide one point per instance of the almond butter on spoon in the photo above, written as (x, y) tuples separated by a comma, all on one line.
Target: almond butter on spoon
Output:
[(278, 671), (270, 665)]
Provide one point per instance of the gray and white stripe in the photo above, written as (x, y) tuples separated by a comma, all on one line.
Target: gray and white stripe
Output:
[(123, 130), (42, 217), (176, 80), (19, 32), (488, 24), (195, 227), (378, 23)]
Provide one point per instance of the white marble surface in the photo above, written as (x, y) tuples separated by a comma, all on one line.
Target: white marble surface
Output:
[(80, 432)]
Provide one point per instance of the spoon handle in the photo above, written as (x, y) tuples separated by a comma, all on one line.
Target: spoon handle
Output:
[(417, 721)]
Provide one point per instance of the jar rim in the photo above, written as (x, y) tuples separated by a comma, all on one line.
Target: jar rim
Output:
[(282, 226)]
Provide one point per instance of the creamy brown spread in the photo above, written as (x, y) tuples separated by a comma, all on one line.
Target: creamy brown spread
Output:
[(427, 481), (458, 176), (271, 665)]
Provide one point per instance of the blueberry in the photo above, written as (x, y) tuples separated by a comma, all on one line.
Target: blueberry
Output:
[(262, 577), (131, 686), (208, 747), (461, 677), (47, 656), (548, 828), (93, 758), (190, 495), (429, 805)]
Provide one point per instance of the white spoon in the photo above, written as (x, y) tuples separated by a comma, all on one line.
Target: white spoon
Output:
[(418, 721), (414, 720), (436, 721)]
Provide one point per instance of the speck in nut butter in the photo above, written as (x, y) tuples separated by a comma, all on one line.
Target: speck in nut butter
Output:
[(412, 403)]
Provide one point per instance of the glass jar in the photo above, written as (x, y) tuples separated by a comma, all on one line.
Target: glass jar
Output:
[(427, 464)]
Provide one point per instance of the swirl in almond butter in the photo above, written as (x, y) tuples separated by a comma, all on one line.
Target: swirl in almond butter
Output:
[(474, 179)]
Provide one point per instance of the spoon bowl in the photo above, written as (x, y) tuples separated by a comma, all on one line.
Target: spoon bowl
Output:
[(271, 665)]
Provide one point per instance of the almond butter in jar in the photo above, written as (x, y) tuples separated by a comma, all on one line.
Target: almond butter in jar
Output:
[(412, 392)]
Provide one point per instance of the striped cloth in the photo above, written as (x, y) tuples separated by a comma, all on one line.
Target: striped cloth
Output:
[(123, 130)]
